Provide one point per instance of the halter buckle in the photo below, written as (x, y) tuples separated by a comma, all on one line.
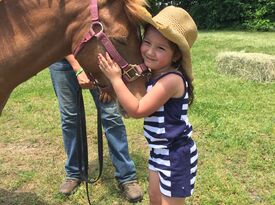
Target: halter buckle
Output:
[(131, 73)]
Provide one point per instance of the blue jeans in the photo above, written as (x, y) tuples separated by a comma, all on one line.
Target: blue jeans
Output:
[(65, 86)]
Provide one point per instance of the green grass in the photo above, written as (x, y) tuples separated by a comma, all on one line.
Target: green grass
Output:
[(234, 127)]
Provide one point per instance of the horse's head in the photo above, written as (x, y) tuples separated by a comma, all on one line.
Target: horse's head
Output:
[(120, 20)]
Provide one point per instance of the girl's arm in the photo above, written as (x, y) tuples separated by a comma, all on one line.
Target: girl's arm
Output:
[(167, 87)]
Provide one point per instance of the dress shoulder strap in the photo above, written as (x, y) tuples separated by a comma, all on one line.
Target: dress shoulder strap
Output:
[(170, 72)]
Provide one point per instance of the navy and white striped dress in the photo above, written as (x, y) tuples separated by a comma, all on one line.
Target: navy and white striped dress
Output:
[(173, 153)]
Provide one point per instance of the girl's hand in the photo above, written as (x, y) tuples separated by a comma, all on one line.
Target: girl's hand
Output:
[(109, 67)]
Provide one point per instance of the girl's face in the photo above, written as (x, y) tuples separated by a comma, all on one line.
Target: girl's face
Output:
[(156, 51)]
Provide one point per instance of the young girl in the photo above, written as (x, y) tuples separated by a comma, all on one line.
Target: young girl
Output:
[(165, 50)]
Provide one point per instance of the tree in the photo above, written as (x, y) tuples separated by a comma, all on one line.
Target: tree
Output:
[(232, 14)]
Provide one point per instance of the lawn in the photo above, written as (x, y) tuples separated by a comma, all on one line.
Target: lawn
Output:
[(234, 127)]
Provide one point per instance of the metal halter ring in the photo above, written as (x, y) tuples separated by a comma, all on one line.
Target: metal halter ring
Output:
[(94, 25)]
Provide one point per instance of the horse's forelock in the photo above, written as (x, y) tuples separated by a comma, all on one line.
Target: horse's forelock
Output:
[(132, 9)]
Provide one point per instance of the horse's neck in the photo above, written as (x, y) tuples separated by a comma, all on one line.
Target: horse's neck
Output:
[(37, 28), (34, 34)]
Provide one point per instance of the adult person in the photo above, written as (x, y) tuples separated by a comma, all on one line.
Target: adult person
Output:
[(67, 77), (165, 49)]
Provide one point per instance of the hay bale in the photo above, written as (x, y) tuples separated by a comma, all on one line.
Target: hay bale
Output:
[(253, 66)]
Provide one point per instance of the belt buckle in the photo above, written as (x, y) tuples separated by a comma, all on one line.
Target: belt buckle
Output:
[(131, 73)]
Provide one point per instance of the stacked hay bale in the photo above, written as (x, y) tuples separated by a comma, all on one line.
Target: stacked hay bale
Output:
[(253, 66)]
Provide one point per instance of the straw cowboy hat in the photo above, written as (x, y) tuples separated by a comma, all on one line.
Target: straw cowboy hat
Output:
[(176, 25)]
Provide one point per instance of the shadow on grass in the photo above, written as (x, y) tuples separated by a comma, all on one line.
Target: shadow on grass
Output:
[(109, 183), (19, 198)]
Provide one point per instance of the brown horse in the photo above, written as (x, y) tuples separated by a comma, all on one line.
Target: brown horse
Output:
[(36, 33)]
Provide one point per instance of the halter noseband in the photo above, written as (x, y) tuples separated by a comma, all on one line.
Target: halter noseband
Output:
[(130, 72)]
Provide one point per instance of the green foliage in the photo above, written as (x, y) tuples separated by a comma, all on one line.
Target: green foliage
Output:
[(214, 15), (259, 16), (233, 14)]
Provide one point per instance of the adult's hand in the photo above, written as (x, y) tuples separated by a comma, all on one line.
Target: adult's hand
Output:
[(105, 97), (84, 81), (82, 77)]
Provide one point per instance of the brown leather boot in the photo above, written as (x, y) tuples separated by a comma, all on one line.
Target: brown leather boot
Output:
[(69, 186), (132, 191)]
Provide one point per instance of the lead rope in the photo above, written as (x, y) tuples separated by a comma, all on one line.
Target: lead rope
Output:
[(82, 146)]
